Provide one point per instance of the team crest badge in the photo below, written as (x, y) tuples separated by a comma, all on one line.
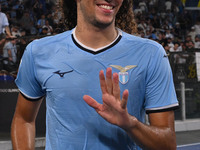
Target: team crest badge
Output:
[(123, 74)]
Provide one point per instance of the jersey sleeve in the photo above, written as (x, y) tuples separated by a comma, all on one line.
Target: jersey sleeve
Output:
[(160, 92), (5, 20), (26, 79)]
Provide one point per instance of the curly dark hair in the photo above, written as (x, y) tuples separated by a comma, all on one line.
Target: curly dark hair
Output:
[(124, 19)]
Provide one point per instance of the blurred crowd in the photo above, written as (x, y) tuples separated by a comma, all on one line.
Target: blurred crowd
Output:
[(31, 17), (169, 23), (165, 21), (27, 20)]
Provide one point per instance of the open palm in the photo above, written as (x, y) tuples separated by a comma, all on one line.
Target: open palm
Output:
[(114, 108)]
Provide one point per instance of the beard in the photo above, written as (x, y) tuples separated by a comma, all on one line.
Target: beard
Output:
[(101, 25), (91, 18)]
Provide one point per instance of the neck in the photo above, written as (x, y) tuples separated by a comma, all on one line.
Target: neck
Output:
[(95, 37)]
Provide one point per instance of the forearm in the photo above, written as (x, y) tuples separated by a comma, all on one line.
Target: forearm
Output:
[(8, 31), (151, 137), (2, 41), (22, 134), (10, 55)]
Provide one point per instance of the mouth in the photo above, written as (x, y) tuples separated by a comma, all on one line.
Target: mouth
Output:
[(107, 7)]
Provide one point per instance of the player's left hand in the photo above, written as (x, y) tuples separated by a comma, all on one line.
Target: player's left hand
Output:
[(114, 108)]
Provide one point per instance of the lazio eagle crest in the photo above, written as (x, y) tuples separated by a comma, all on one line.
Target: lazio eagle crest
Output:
[(123, 74)]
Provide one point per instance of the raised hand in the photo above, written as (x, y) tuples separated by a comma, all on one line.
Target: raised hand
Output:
[(114, 108)]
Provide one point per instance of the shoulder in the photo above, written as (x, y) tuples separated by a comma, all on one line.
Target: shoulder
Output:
[(7, 45), (49, 44), (3, 15), (143, 44)]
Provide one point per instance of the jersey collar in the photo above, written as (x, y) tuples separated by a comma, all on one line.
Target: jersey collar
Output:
[(99, 50)]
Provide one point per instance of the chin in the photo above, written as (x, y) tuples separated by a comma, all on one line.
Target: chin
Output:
[(102, 24)]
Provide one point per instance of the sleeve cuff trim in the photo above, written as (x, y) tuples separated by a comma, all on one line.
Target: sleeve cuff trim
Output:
[(29, 97), (162, 109)]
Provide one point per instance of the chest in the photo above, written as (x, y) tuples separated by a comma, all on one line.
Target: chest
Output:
[(70, 76)]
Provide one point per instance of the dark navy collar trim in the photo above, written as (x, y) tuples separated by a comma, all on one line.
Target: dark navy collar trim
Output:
[(97, 52)]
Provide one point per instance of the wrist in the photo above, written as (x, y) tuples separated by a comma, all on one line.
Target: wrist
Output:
[(132, 124)]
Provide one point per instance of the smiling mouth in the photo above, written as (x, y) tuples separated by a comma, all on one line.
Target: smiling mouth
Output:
[(106, 7)]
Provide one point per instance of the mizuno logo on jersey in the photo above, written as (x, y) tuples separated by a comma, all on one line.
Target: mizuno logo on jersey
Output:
[(123, 74), (61, 74)]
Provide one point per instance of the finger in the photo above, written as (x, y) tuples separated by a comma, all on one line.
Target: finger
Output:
[(91, 102), (124, 99), (102, 82), (109, 80), (116, 88)]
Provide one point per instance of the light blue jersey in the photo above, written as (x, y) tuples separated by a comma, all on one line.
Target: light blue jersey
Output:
[(64, 70)]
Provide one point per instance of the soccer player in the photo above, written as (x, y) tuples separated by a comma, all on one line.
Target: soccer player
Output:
[(99, 82)]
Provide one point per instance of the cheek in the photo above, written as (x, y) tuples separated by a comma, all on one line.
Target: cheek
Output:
[(86, 8), (120, 2)]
